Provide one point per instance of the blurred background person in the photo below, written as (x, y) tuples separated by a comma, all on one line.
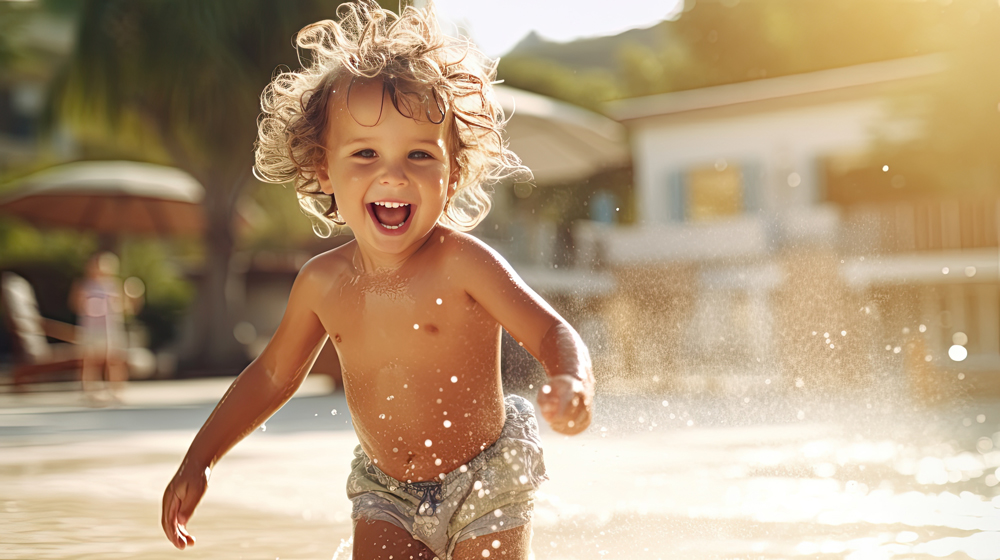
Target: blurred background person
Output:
[(100, 305)]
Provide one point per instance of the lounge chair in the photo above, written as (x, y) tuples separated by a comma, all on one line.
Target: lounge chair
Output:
[(34, 355)]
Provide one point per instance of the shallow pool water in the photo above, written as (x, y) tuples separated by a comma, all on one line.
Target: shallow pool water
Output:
[(654, 477)]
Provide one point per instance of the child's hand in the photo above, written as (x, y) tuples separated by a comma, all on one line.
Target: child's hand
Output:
[(566, 404), (179, 500)]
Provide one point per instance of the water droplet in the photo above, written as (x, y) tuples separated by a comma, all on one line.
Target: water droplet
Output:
[(960, 338), (333, 412), (690, 422), (437, 462), (794, 180), (984, 444), (381, 416), (438, 301), (546, 389), (896, 350), (415, 326), (428, 443), (486, 553), (665, 403), (958, 353), (767, 382), (885, 168), (454, 379), (390, 397), (922, 328), (826, 335), (945, 270), (981, 418), (447, 423), (263, 427), (843, 333), (970, 271), (496, 544)]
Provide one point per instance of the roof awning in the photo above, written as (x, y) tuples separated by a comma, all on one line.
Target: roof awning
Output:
[(559, 142)]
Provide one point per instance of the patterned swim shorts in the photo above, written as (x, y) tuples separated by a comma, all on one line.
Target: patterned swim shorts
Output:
[(493, 492)]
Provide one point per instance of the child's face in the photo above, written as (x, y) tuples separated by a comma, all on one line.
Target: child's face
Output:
[(391, 180)]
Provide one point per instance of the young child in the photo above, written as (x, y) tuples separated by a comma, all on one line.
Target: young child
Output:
[(99, 302), (391, 129)]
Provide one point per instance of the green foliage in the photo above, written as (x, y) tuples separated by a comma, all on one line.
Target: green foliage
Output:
[(715, 44), (168, 293), (585, 88), (12, 17), (273, 219), (22, 244), (955, 153)]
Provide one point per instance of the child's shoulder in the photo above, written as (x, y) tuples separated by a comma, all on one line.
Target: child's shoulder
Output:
[(461, 247), (328, 266), (467, 255)]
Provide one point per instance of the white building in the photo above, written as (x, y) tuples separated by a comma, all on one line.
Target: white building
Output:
[(755, 266)]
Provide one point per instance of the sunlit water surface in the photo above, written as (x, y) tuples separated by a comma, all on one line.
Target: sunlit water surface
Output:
[(653, 478)]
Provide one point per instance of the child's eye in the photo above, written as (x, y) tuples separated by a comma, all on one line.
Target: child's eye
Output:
[(365, 153), (420, 154)]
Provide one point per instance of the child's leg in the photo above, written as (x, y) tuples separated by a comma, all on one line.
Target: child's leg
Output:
[(380, 540), (117, 372), (91, 372), (512, 544)]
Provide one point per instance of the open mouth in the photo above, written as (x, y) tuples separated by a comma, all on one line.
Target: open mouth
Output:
[(391, 216)]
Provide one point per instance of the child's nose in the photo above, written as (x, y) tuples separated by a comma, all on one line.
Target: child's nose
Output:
[(393, 175)]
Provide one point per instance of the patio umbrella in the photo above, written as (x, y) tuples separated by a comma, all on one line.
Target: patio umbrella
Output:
[(109, 198), (559, 142)]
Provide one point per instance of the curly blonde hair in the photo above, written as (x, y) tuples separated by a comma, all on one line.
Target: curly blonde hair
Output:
[(410, 54)]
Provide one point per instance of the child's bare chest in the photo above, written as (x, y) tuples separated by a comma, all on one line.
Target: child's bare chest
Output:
[(377, 320)]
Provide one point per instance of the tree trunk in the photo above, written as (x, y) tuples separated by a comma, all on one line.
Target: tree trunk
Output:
[(210, 346)]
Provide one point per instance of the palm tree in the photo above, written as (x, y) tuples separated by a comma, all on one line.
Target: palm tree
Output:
[(187, 74)]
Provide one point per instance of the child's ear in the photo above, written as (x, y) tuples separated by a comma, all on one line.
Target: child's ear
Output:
[(323, 176)]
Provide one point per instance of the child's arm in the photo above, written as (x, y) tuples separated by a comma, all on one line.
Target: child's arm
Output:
[(263, 387), (566, 401)]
